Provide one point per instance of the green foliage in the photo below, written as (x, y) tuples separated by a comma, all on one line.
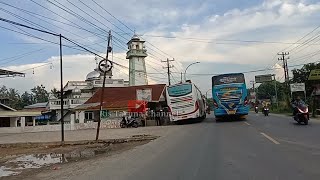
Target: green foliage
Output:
[(210, 103), (55, 92), (40, 94), (27, 99), (14, 98), (267, 90), (302, 75)]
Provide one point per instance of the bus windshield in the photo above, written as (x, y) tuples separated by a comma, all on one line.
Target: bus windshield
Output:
[(179, 90), (228, 79)]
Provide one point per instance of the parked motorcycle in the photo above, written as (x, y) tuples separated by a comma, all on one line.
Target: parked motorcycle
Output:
[(266, 111), (128, 123), (302, 114), (256, 109)]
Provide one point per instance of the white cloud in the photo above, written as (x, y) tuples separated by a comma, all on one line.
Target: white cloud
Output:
[(273, 20)]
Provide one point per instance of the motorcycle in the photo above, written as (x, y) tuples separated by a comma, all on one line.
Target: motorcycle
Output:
[(266, 111), (256, 109), (302, 114), (128, 123)]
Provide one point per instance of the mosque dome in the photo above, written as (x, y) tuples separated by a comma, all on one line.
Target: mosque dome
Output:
[(94, 75), (76, 91)]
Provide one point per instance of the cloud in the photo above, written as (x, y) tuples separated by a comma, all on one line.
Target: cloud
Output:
[(271, 20)]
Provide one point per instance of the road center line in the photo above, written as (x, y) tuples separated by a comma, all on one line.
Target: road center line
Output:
[(247, 123), (270, 138)]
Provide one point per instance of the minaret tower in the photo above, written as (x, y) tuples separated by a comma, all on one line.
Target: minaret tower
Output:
[(137, 66)]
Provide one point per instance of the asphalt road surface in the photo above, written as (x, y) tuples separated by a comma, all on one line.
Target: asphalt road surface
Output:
[(259, 148)]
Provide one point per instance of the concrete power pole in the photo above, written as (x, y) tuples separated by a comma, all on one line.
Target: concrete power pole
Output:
[(168, 68), (284, 59)]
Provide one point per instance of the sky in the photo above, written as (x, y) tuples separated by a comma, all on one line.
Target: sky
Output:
[(223, 35)]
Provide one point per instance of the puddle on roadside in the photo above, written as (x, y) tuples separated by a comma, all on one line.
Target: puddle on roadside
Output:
[(16, 165)]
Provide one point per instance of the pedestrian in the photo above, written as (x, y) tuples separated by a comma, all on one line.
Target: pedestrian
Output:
[(158, 115)]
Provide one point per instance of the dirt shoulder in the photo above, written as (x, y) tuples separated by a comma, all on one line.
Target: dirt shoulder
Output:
[(25, 160)]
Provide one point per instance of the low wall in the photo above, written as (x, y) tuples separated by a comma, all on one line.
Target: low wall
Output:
[(105, 124)]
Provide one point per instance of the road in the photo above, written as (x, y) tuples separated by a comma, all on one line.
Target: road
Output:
[(259, 148)]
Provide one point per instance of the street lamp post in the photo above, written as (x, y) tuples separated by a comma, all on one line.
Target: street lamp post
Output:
[(187, 68)]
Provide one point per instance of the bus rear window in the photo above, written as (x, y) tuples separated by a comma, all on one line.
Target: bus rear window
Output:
[(228, 79), (179, 90)]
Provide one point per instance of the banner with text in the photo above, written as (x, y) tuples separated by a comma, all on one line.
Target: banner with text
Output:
[(296, 87)]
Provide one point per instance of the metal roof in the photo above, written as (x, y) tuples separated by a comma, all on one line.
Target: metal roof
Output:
[(119, 97), (7, 107), (37, 105)]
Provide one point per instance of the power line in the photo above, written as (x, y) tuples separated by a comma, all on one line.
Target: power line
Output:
[(25, 20), (102, 16), (206, 40), (21, 56), (81, 17), (112, 15), (166, 54)]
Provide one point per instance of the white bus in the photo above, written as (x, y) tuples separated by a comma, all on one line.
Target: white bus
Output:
[(185, 102)]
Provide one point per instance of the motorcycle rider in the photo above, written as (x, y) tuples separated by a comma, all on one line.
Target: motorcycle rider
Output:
[(296, 103)]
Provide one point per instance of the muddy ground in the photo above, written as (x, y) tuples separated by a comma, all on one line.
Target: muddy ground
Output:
[(26, 162)]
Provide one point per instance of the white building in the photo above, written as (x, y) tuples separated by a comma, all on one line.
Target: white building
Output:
[(78, 92), (137, 66)]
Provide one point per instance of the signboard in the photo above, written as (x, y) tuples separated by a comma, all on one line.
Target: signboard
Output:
[(144, 95), (297, 87), (263, 78), (314, 74)]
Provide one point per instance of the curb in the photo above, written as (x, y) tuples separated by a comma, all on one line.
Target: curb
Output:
[(81, 142)]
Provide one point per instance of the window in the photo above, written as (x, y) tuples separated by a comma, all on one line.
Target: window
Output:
[(228, 79), (137, 46), (179, 90), (88, 115)]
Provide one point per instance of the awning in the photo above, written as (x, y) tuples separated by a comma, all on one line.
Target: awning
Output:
[(19, 113)]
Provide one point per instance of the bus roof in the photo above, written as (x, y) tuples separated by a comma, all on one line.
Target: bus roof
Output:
[(228, 74)]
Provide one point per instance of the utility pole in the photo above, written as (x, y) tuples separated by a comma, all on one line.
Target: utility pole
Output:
[(254, 91), (61, 93), (275, 89), (168, 67), (108, 68), (284, 59), (181, 77)]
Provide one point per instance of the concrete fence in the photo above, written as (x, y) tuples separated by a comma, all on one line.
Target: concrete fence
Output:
[(115, 123)]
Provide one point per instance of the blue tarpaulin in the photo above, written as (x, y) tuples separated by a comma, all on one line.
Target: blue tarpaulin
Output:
[(43, 117)]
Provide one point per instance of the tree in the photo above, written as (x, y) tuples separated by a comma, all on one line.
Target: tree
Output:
[(27, 99), (3, 91), (14, 99), (55, 92), (40, 94), (267, 90), (302, 75)]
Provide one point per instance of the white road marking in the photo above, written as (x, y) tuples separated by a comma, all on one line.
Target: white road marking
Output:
[(247, 123), (270, 138)]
